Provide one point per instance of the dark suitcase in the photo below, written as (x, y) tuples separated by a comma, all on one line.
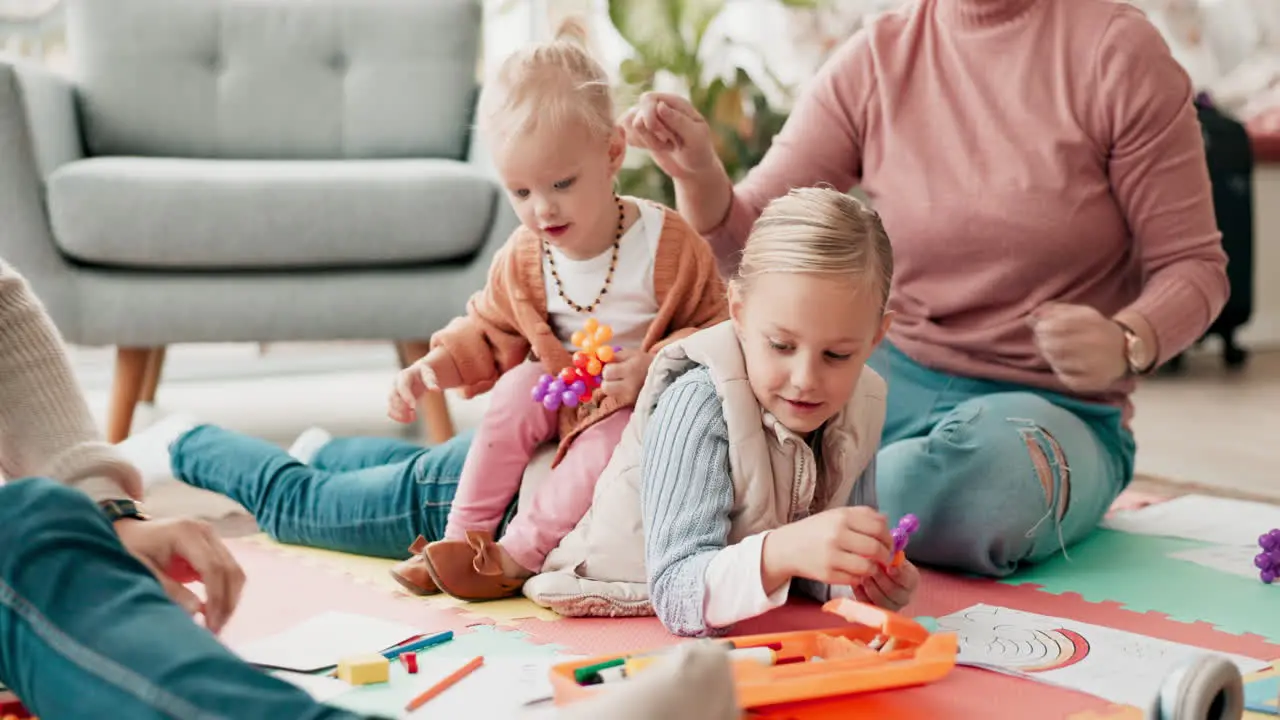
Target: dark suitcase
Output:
[(1230, 157)]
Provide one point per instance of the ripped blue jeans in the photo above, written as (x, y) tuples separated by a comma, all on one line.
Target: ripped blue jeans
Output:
[(998, 474)]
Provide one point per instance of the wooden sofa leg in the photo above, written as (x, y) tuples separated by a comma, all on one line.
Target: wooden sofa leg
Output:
[(126, 389), (155, 366), (433, 409)]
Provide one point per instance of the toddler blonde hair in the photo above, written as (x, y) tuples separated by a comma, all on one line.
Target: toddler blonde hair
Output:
[(554, 84), (820, 231)]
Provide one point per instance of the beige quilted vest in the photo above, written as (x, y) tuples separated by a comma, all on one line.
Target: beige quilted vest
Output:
[(598, 569)]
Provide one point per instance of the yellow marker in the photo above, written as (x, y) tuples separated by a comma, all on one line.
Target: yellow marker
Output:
[(364, 669)]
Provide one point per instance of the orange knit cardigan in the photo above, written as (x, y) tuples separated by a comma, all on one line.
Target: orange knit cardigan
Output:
[(506, 321)]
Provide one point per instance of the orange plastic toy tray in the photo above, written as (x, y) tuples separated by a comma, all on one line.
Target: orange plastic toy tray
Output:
[(848, 664)]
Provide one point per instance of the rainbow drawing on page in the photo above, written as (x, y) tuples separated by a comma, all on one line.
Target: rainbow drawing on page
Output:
[(989, 637), (1125, 668), (1054, 649)]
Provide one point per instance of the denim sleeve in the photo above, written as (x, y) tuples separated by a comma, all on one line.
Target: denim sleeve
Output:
[(864, 493), (686, 495)]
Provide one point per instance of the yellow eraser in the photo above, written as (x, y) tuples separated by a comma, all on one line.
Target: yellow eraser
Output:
[(364, 669)]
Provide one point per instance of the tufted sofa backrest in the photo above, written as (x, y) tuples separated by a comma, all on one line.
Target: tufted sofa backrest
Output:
[(275, 79)]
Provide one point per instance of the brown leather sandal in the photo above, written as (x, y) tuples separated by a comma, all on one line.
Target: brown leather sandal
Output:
[(412, 574)]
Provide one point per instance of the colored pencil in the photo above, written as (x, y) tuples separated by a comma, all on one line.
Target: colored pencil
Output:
[(445, 684)]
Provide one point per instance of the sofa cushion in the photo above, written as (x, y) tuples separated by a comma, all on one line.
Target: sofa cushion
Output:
[(275, 79), (242, 214)]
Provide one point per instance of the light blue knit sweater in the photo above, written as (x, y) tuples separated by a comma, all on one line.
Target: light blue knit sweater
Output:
[(686, 495)]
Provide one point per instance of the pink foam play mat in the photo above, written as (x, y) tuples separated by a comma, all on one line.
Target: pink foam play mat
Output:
[(292, 582)]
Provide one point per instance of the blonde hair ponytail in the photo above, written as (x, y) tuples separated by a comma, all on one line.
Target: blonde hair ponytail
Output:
[(572, 29), (820, 231)]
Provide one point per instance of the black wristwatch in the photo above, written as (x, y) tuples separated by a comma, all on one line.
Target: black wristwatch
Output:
[(122, 510)]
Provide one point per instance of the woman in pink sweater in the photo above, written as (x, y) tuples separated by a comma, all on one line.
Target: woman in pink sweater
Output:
[(1040, 168)]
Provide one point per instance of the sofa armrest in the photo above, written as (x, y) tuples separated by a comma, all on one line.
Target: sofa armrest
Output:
[(38, 132), (49, 101)]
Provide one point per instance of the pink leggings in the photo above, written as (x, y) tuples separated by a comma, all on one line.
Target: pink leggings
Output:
[(512, 430)]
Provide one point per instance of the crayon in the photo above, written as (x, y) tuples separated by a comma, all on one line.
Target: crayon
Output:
[(445, 684)]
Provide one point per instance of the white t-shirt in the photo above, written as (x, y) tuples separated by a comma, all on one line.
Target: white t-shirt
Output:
[(630, 305)]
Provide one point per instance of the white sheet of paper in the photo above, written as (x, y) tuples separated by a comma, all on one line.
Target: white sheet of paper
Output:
[(1232, 559), (501, 688), (1122, 667), (321, 687), (1221, 521), (323, 640)]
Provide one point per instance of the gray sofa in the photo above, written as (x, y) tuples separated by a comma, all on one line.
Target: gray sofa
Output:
[(250, 171)]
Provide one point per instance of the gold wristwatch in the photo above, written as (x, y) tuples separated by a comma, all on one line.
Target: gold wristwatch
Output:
[(1137, 355)]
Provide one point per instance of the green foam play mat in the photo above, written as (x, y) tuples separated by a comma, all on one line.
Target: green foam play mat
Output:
[(1139, 573)]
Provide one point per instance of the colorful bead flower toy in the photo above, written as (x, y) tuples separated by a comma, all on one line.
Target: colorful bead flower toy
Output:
[(576, 383), (1268, 561), (907, 525)]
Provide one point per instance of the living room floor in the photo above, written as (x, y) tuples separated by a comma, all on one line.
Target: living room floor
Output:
[(1205, 430)]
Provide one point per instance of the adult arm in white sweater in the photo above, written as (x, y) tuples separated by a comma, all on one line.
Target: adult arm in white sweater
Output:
[(46, 429)]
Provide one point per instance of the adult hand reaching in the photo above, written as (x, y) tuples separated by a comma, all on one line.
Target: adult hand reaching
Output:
[(181, 551), (1084, 347), (675, 134)]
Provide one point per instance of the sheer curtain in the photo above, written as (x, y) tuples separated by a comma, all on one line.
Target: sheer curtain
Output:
[(509, 24)]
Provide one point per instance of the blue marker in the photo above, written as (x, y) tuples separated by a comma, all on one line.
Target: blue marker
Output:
[(416, 645)]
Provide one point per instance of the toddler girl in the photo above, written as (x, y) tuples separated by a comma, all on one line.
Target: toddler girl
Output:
[(581, 253), (748, 468)]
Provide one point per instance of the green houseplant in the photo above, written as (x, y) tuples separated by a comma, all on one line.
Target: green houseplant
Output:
[(669, 41)]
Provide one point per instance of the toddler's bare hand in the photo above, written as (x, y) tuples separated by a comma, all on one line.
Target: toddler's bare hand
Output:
[(624, 377), (411, 384)]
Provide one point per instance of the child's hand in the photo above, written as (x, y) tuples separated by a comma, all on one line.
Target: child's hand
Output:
[(889, 587), (841, 546), (414, 381), (624, 377)]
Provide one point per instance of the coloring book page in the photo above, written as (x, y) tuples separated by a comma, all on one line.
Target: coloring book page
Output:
[(1223, 558), (1122, 667), (1220, 521)]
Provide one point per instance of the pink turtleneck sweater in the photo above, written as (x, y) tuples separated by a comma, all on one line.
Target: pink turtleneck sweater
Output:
[(1019, 152)]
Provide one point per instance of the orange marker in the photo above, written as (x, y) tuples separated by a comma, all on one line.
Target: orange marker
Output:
[(445, 684)]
